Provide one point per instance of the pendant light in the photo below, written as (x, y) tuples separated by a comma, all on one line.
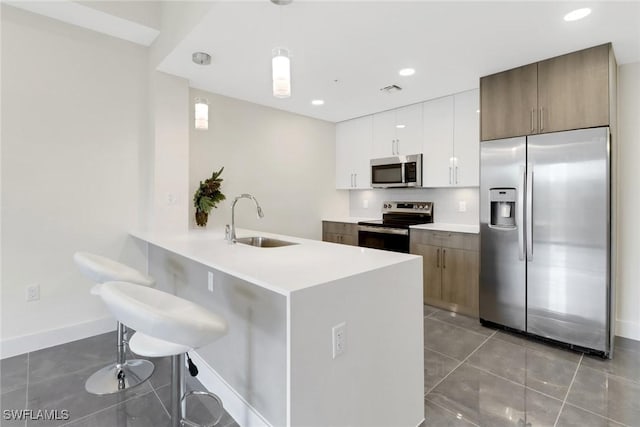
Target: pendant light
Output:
[(201, 114), (281, 64), (281, 70)]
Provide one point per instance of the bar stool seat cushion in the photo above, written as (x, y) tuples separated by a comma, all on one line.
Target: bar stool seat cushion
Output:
[(101, 269), (162, 315), (148, 346)]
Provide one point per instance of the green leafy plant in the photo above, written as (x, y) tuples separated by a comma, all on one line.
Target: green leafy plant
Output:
[(207, 197)]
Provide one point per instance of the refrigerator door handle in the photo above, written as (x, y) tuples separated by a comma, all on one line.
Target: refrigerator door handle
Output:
[(529, 219), (520, 213)]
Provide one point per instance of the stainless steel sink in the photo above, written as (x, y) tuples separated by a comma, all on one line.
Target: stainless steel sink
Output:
[(263, 242)]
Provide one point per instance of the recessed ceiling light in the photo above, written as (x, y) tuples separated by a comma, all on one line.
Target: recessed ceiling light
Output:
[(407, 72), (577, 14), (401, 126), (201, 58), (317, 102)]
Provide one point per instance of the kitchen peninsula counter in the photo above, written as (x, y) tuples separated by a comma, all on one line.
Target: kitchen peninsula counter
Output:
[(282, 269), (276, 366)]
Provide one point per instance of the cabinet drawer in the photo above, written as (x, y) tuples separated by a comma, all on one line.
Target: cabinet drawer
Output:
[(339, 228), (447, 239)]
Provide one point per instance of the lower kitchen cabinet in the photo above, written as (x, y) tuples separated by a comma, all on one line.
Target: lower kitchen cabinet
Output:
[(451, 268), (340, 232)]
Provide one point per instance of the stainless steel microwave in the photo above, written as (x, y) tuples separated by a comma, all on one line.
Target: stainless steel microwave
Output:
[(397, 171)]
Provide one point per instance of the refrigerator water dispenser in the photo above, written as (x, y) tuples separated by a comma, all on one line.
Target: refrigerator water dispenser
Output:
[(503, 207)]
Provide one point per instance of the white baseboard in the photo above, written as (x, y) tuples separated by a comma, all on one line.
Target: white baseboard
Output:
[(628, 329), (241, 410), (27, 343)]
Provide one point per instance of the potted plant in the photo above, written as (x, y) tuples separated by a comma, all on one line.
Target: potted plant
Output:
[(207, 196)]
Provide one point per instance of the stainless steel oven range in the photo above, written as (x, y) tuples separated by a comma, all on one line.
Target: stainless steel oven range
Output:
[(392, 231)]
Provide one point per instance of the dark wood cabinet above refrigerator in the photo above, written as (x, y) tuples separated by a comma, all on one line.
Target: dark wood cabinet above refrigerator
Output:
[(572, 91)]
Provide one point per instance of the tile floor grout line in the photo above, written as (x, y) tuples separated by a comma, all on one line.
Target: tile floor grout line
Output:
[(451, 412), (609, 374), (575, 373), (598, 415), (460, 364), (162, 404), (480, 368), (106, 408), (462, 327), (441, 354)]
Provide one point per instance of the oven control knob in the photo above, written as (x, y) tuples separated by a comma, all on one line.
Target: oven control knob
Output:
[(386, 206)]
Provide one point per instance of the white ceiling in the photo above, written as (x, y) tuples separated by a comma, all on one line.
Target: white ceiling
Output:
[(345, 51)]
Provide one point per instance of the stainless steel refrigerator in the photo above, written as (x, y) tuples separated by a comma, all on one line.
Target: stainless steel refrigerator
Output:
[(545, 236)]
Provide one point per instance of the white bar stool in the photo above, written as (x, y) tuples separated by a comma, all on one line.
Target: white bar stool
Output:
[(123, 374), (165, 325)]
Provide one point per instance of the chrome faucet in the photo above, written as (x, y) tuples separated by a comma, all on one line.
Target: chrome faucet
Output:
[(231, 234)]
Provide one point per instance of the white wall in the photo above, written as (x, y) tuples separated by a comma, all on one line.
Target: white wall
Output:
[(169, 172), (285, 160), (628, 206), (446, 202), (73, 117)]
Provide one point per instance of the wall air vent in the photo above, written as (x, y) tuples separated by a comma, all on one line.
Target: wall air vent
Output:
[(391, 89)]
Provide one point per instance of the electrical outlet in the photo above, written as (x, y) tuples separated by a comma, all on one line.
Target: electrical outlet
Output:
[(210, 281), (171, 199), (339, 333), (33, 292), (462, 206), (365, 204)]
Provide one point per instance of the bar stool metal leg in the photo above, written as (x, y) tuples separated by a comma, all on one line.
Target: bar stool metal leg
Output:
[(178, 389), (122, 375)]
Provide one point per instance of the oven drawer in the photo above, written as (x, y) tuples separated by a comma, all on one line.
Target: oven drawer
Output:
[(446, 239)]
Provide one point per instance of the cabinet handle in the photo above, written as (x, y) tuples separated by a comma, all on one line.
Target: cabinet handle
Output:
[(456, 174), (438, 258), (352, 184), (397, 147), (532, 117), (450, 174), (355, 179), (444, 258), (541, 119)]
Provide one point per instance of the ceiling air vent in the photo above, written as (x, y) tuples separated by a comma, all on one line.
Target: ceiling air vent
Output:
[(391, 89)]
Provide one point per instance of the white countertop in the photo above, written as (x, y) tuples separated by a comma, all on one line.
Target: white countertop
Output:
[(443, 226), (283, 269), (349, 219)]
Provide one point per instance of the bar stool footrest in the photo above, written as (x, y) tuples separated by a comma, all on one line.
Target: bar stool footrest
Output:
[(188, 423)]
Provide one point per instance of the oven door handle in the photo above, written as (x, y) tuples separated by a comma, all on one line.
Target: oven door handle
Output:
[(384, 230)]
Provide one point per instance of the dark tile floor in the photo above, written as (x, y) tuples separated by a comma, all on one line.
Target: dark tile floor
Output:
[(476, 376), (473, 376), (54, 378)]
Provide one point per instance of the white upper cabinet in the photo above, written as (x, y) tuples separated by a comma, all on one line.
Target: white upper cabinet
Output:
[(466, 139), (451, 141), (437, 170), (353, 152), (397, 132), (446, 130)]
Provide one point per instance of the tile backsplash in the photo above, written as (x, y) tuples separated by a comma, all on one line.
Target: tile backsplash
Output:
[(446, 202)]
